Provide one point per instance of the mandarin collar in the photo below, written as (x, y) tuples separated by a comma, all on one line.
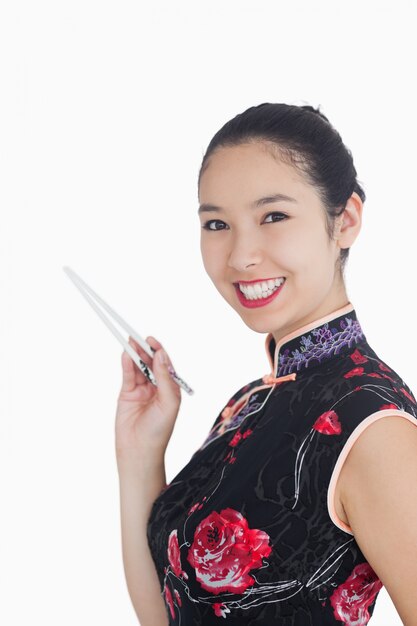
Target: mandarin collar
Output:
[(314, 343)]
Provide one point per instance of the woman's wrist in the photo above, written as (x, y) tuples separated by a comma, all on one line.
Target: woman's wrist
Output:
[(140, 483), (132, 461)]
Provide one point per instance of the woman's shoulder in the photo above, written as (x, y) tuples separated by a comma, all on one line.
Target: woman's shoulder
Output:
[(364, 390), (372, 387)]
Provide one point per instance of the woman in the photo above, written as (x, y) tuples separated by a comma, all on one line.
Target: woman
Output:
[(277, 518)]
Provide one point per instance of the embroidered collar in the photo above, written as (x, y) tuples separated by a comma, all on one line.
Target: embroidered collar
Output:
[(315, 342)]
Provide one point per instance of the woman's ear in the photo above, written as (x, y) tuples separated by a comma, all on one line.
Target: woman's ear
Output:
[(350, 222)]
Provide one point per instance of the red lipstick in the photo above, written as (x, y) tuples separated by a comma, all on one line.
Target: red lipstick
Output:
[(252, 304)]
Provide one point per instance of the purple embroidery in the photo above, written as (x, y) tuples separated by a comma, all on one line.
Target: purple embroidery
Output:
[(248, 408), (327, 341)]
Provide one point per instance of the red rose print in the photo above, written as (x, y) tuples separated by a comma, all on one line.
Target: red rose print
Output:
[(177, 595), (384, 367), (387, 377), (174, 556), (229, 456), (388, 406), (351, 599), (220, 609), (233, 442), (357, 371), (225, 549), (197, 505), (375, 375), (357, 357), (328, 423), (236, 439), (238, 436), (169, 601), (408, 395)]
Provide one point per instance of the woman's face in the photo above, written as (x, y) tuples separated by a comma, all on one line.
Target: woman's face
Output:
[(244, 242)]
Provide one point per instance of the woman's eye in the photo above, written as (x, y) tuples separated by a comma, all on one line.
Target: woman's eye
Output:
[(207, 225), (280, 217)]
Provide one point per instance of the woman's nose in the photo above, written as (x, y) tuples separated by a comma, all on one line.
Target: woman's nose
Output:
[(245, 251)]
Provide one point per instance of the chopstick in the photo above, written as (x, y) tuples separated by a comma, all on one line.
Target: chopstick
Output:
[(89, 294)]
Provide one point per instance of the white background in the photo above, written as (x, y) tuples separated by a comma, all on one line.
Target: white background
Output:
[(106, 111)]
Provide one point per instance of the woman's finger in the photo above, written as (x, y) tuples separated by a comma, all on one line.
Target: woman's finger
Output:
[(157, 345), (139, 375), (154, 343), (141, 352), (129, 374)]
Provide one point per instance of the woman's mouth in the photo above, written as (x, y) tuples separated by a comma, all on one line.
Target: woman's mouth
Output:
[(256, 296)]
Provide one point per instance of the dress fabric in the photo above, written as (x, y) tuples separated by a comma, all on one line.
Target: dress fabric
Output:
[(247, 532)]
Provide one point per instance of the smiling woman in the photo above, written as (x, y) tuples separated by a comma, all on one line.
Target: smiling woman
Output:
[(296, 508), (302, 241)]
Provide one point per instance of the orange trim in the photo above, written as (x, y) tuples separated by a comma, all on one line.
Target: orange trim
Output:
[(300, 331), (270, 378), (229, 411), (345, 451)]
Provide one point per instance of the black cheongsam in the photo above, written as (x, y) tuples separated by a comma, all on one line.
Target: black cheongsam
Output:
[(247, 532)]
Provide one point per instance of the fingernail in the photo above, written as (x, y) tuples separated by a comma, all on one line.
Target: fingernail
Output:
[(162, 357)]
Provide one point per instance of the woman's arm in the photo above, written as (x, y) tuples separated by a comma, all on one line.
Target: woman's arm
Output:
[(140, 483), (379, 495)]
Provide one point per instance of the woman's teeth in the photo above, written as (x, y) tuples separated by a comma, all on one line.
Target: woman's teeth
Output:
[(257, 291)]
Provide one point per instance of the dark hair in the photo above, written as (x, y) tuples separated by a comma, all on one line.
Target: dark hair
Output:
[(303, 137)]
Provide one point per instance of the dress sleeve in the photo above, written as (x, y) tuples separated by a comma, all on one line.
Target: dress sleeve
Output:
[(363, 405)]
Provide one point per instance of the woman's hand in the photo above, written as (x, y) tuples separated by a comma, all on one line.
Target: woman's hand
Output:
[(146, 414)]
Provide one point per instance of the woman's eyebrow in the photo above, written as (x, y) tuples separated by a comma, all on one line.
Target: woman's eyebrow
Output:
[(277, 197)]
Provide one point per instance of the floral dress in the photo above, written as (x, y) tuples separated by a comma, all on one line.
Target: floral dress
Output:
[(247, 532)]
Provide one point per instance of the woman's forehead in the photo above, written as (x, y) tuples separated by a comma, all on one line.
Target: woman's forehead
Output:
[(245, 175)]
